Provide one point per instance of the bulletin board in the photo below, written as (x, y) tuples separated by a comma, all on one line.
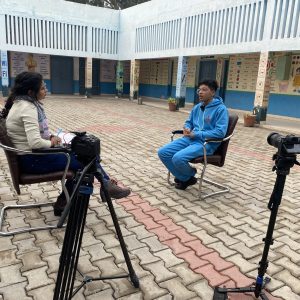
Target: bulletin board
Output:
[(290, 86), (20, 62), (242, 74), (107, 70), (154, 71)]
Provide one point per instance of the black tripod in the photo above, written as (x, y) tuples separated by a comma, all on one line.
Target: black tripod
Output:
[(77, 211), (283, 164)]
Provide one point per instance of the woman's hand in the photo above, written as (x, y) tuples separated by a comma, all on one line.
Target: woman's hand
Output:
[(55, 140)]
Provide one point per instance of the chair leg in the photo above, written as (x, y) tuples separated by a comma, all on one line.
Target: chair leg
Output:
[(22, 230), (223, 188), (169, 179)]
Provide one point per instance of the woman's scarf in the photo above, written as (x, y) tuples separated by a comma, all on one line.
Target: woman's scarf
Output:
[(42, 119)]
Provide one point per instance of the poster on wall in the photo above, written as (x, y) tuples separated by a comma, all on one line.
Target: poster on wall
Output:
[(191, 72), (126, 70), (108, 70), (20, 62), (145, 71), (290, 86), (159, 70), (242, 74)]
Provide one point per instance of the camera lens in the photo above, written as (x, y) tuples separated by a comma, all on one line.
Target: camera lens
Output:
[(274, 139)]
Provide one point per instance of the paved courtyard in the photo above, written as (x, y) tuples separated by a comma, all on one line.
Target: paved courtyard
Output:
[(180, 246)]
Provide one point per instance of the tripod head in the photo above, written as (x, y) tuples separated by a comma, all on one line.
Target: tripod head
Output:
[(286, 156)]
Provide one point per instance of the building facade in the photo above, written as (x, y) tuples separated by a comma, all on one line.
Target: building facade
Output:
[(159, 49)]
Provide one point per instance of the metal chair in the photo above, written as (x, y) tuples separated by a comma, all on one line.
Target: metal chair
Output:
[(20, 178), (217, 159)]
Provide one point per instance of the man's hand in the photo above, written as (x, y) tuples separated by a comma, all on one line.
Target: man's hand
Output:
[(186, 132)]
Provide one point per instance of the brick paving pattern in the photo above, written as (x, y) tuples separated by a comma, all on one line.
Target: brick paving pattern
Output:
[(180, 246)]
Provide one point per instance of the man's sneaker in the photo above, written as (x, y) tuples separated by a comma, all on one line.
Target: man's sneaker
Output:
[(182, 185), (115, 192)]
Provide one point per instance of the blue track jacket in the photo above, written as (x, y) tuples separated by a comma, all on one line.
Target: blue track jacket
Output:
[(209, 121)]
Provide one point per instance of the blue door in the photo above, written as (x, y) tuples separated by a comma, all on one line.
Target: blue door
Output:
[(61, 75)]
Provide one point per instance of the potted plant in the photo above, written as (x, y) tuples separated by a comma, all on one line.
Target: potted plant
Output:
[(249, 119), (172, 104)]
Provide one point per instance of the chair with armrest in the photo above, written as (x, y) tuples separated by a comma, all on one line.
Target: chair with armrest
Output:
[(217, 159), (20, 178)]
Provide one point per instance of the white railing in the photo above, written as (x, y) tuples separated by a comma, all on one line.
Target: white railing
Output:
[(151, 30)]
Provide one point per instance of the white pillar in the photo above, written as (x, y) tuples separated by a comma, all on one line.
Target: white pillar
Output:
[(263, 84), (181, 79), (88, 76), (134, 79)]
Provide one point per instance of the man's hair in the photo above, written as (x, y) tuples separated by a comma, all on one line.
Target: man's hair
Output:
[(211, 83)]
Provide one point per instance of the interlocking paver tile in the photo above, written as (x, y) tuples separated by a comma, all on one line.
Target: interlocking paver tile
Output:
[(10, 275), (145, 255), (31, 260), (227, 228), (203, 289), (37, 278), (286, 293), (168, 258), (177, 289), (160, 272), (150, 289), (16, 291)]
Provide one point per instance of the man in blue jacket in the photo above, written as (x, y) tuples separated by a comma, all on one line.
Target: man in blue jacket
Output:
[(208, 119)]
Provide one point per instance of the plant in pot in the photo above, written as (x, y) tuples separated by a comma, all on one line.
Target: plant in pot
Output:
[(172, 104), (249, 119)]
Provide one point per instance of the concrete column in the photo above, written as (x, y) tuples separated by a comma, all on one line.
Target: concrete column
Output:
[(4, 73), (134, 79), (88, 76), (263, 83), (119, 78), (181, 80)]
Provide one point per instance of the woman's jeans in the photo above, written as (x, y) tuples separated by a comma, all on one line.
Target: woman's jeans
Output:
[(48, 163)]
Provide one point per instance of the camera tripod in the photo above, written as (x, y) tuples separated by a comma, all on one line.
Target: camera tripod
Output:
[(283, 164), (77, 211)]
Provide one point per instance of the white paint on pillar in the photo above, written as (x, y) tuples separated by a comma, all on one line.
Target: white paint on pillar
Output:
[(88, 72), (263, 80), (134, 78), (181, 76)]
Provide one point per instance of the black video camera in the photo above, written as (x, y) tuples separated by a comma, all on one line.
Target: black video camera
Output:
[(286, 145), (85, 146)]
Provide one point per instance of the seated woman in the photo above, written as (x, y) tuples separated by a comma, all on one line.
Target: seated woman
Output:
[(27, 127)]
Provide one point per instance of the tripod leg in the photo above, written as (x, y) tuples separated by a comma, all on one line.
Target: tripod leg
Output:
[(273, 206), (133, 277), (72, 242)]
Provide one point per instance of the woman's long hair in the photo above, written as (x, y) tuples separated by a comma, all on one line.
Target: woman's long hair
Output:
[(24, 82)]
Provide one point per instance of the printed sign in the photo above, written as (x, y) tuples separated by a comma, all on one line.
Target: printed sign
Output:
[(20, 62), (4, 68), (181, 76)]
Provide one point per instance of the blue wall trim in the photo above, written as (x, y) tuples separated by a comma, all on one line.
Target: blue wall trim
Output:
[(107, 87), (284, 105), (162, 91), (152, 90), (126, 88), (239, 100), (75, 86)]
